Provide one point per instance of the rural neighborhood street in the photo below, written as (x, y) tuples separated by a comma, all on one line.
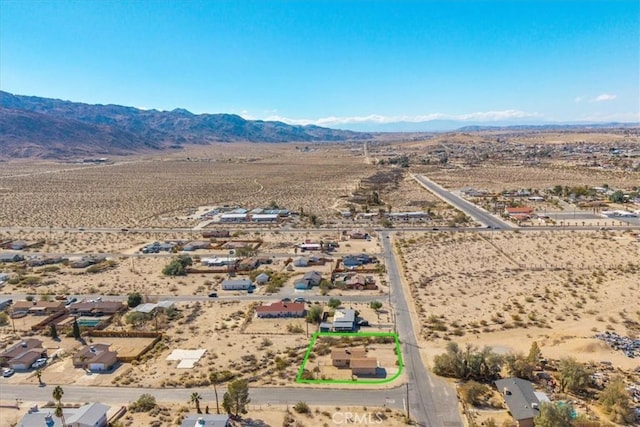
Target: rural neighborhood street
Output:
[(259, 395), (432, 402)]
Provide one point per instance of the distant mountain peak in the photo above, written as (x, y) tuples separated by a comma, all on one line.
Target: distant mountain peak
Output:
[(65, 129)]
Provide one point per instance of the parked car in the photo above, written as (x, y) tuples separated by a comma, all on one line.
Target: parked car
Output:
[(362, 322), (71, 300), (300, 299), (286, 300), (39, 363), (213, 295), (7, 372)]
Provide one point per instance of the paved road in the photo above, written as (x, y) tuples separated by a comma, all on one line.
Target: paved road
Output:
[(480, 215), (432, 402), (258, 395)]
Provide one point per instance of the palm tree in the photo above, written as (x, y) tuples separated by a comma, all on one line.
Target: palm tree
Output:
[(39, 376), (214, 377), (196, 398), (57, 395)]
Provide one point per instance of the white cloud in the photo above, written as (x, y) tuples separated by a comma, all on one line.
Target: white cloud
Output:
[(484, 116), (578, 99), (603, 97)]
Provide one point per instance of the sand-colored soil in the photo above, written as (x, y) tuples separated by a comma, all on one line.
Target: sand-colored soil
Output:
[(509, 289), (155, 191)]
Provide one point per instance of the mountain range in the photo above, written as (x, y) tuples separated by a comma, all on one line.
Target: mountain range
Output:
[(32, 126)]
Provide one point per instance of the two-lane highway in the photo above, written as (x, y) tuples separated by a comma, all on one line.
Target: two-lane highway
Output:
[(480, 215)]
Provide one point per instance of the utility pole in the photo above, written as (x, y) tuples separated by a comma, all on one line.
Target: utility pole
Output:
[(408, 414)]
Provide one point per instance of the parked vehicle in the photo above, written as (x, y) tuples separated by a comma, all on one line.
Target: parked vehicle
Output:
[(213, 295), (7, 372), (39, 363), (286, 300), (300, 299)]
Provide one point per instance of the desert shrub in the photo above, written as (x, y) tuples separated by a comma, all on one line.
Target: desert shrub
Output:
[(145, 403), (301, 408)]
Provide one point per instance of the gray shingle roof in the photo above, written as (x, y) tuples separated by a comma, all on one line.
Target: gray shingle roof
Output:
[(519, 396)]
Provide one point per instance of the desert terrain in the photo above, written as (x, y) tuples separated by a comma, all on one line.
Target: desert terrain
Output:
[(504, 289), (510, 289)]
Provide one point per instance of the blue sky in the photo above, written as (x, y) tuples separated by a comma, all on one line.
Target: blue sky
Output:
[(337, 63)]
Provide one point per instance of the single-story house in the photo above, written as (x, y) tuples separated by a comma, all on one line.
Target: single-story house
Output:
[(358, 235), (233, 217), (26, 359), (407, 216), (205, 420), (309, 247), (521, 400), (38, 307), (95, 357), (344, 320), (219, 262), (360, 282), (195, 245), (281, 309), (264, 218), (351, 261), (8, 257), (150, 307), (518, 211), (19, 349), (96, 308), (262, 278), (341, 357), (236, 284), (303, 261), (310, 279), (363, 366), (88, 415), (249, 263)]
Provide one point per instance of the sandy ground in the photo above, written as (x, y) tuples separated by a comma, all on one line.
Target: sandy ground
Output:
[(155, 191), (509, 289)]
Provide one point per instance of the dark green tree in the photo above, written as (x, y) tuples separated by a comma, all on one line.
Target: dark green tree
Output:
[(616, 402), (53, 331), (553, 415), (519, 366), (236, 399), (573, 376), (376, 305), (196, 398), (134, 299), (76, 329), (314, 314), (617, 197), (57, 396)]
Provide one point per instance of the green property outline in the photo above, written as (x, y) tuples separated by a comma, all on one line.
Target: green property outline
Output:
[(315, 336)]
